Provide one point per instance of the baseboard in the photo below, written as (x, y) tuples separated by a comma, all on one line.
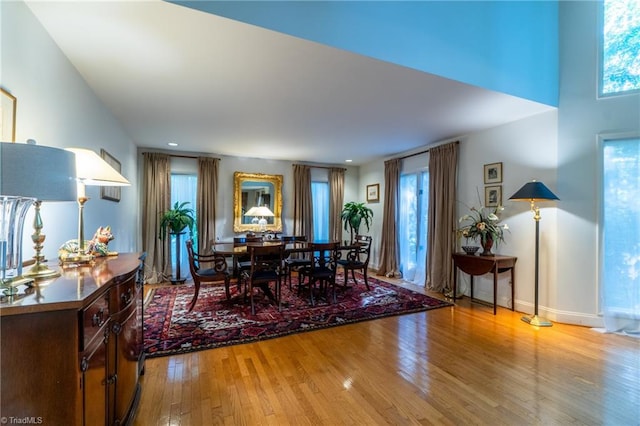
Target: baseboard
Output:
[(565, 317)]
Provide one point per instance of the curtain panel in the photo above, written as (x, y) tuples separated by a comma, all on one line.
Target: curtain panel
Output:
[(443, 166), (389, 250), (302, 202), (156, 199), (336, 202), (206, 195)]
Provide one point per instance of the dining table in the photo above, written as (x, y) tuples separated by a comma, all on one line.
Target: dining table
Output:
[(237, 250)]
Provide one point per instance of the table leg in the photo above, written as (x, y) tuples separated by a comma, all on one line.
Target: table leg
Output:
[(495, 289), (455, 282), (471, 281), (513, 288)]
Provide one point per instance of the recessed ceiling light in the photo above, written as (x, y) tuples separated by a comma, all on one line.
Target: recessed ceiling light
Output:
[(172, 144), (348, 161)]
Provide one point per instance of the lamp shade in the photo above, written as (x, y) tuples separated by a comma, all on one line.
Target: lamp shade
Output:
[(35, 171), (263, 211), (532, 191), (252, 212), (92, 170)]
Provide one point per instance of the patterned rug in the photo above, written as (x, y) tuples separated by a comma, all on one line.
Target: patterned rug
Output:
[(169, 329)]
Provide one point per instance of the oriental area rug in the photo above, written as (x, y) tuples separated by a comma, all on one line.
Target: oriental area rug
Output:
[(214, 322)]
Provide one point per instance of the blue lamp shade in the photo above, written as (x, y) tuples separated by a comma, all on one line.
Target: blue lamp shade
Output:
[(35, 171), (532, 191)]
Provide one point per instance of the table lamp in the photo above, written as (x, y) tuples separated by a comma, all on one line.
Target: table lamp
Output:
[(260, 212), (91, 170), (532, 192), (29, 174)]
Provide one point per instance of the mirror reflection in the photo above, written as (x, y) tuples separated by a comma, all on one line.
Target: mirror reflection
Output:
[(257, 202)]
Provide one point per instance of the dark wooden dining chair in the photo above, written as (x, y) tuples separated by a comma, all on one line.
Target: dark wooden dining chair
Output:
[(321, 270), (295, 261), (217, 273), (357, 259), (266, 267)]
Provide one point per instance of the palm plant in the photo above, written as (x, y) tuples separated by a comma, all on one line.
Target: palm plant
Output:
[(177, 219), (353, 214)]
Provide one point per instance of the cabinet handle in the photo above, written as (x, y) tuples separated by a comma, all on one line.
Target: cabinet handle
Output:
[(116, 328), (112, 379), (98, 318), (126, 297)]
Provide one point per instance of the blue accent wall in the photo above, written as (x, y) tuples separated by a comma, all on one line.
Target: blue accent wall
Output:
[(505, 46)]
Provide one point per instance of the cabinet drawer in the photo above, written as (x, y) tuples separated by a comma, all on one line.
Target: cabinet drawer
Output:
[(94, 317), (123, 295)]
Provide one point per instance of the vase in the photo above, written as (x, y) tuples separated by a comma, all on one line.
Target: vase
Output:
[(486, 246)]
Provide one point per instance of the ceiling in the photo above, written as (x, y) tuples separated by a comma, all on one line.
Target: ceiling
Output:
[(214, 85)]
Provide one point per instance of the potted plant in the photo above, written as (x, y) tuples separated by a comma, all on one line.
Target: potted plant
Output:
[(483, 223), (353, 214), (176, 220)]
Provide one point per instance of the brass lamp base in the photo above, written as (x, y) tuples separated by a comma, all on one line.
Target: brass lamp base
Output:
[(537, 321), (9, 285), (41, 271)]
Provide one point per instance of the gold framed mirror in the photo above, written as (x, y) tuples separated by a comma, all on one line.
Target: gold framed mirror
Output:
[(253, 190)]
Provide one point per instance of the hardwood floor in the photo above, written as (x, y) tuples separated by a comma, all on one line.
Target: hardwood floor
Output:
[(457, 365)]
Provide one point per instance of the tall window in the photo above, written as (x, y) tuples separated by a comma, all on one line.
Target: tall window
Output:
[(621, 235), (620, 62), (412, 226), (183, 188), (320, 197)]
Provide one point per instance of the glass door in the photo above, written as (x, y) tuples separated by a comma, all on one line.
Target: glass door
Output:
[(412, 226)]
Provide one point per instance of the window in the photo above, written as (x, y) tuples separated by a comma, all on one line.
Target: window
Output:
[(320, 197), (412, 226), (183, 188), (620, 246), (620, 61)]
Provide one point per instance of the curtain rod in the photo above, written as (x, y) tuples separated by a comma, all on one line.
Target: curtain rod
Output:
[(421, 152), (320, 167), (179, 155)]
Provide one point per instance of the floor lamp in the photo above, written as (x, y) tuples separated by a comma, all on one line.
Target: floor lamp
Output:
[(532, 192)]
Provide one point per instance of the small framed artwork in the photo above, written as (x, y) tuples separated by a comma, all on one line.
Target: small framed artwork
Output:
[(493, 196), (8, 106), (373, 193), (493, 173), (111, 193)]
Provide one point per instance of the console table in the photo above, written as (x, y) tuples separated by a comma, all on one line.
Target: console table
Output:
[(480, 265), (72, 347)]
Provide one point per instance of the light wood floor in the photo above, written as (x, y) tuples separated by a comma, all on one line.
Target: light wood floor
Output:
[(460, 365)]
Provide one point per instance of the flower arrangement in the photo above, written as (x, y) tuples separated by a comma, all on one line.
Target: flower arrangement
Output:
[(484, 223)]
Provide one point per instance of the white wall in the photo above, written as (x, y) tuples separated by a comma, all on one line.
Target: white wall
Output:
[(527, 150), (582, 118), (58, 109)]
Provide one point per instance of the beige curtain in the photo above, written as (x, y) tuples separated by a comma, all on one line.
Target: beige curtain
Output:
[(441, 226), (302, 207), (156, 199), (206, 195), (389, 251), (336, 201)]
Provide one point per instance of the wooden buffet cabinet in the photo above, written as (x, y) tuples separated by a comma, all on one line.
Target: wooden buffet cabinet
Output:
[(72, 348)]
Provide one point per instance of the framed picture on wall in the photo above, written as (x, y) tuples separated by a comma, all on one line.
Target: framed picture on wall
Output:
[(373, 193), (493, 196), (111, 193), (493, 173), (8, 106)]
